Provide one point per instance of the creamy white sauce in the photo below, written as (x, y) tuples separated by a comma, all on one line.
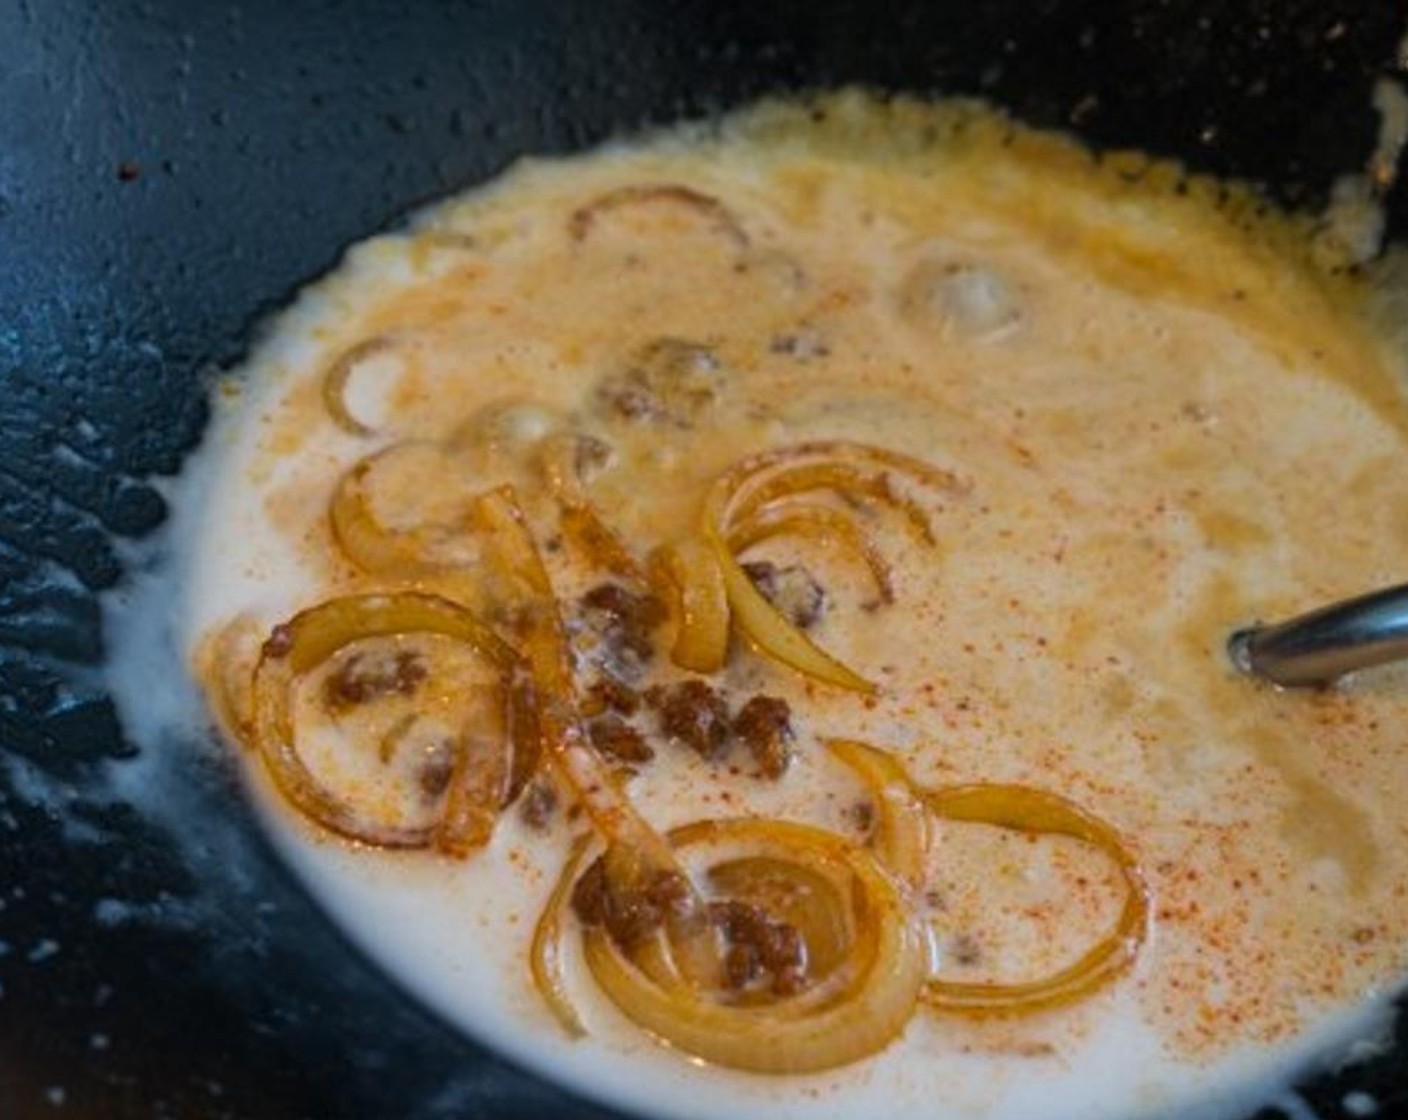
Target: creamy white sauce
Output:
[(1014, 380)]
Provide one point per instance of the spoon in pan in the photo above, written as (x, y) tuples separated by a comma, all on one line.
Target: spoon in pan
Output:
[(1317, 647)]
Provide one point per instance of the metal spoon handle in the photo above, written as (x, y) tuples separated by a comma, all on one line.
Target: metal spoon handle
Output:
[(1327, 643)]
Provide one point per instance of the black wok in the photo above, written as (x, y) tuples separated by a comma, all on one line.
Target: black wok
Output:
[(169, 172)]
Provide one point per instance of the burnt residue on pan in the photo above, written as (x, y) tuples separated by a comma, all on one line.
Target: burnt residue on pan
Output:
[(168, 174)]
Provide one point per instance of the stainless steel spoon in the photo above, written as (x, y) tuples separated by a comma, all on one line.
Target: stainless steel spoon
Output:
[(1327, 643)]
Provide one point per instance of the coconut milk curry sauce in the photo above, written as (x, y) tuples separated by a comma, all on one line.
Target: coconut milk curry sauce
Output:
[(877, 485)]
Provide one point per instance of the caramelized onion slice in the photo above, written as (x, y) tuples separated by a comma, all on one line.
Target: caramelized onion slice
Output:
[(560, 459), (714, 212), (634, 850), (901, 833), (371, 545), (225, 662), (854, 1010), (693, 586), (526, 589), (1024, 809), (584, 526), (819, 523), (853, 470), (545, 955), (308, 640), (334, 384), (480, 784), (772, 631), (745, 493), (521, 716), (1021, 809)]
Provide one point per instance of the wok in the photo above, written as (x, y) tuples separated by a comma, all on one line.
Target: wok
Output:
[(169, 173)]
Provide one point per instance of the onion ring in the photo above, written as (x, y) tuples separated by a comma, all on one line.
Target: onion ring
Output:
[(583, 219), (1021, 809), (747, 490), (334, 384), (901, 831), (309, 639), (691, 583), (225, 663), (1024, 809), (634, 848), (545, 955), (368, 543), (559, 460), (818, 522), (852, 469), (855, 1010)]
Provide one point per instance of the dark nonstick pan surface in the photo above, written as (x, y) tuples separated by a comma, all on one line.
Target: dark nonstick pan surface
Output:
[(169, 173)]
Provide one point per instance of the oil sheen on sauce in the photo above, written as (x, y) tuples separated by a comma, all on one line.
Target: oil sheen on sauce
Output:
[(1169, 422)]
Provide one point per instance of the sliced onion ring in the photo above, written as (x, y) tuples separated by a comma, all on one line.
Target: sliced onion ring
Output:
[(1024, 809), (854, 470), (308, 640), (479, 786), (819, 523), (368, 543), (599, 543), (514, 555), (1021, 809), (633, 847), (521, 715), (334, 385), (545, 955), (772, 631), (901, 832), (225, 661), (692, 584), (582, 523), (749, 488), (854, 1011), (583, 219)]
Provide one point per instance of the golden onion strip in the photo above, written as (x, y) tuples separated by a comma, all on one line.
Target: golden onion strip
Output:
[(521, 713), (772, 631), (545, 954), (713, 211), (584, 526), (901, 831), (693, 586), (528, 590), (745, 492), (852, 481), (307, 641), (630, 838), (370, 545), (479, 786), (334, 384), (823, 464), (557, 457), (225, 663), (1021, 809), (819, 523), (1024, 809), (856, 1011), (582, 522)]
